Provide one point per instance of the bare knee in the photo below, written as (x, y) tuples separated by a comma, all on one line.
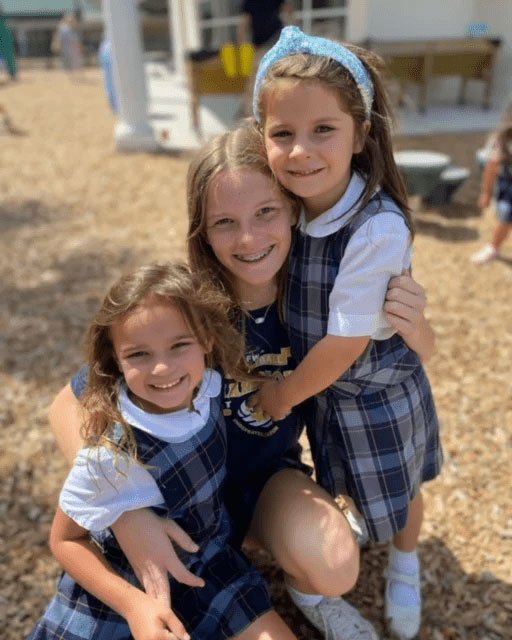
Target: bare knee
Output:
[(327, 551), (270, 626), (301, 525)]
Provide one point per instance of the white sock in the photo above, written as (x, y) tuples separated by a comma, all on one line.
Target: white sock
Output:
[(304, 599), (406, 562)]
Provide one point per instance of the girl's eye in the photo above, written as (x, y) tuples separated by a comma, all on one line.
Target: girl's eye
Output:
[(265, 210), (222, 222), (180, 345), (284, 133), (136, 354), (324, 128)]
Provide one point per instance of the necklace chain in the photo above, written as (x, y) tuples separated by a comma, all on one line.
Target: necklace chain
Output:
[(262, 318)]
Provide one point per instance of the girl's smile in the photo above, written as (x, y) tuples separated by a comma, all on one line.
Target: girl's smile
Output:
[(249, 229), (160, 358), (310, 141)]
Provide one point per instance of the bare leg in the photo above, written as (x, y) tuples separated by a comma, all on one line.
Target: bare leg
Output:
[(403, 596), (303, 528), (407, 539), (269, 627), (500, 234)]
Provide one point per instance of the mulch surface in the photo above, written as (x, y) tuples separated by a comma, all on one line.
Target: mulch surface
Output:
[(74, 214)]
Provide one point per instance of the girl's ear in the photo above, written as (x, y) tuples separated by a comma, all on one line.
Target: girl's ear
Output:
[(209, 345), (360, 140)]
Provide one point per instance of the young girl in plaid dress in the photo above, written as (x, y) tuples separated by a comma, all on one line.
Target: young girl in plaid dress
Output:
[(155, 437), (371, 417)]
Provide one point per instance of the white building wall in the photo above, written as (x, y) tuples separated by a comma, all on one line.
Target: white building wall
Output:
[(420, 19), (498, 15)]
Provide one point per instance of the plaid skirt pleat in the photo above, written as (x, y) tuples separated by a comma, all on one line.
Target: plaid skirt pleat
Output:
[(378, 448)]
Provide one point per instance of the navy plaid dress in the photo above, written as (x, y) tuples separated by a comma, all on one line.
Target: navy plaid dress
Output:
[(374, 433), (190, 476)]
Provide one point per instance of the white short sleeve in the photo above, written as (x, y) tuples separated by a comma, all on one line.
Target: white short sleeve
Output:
[(96, 493), (377, 251)]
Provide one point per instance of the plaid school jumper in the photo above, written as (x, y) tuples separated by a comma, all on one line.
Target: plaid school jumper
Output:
[(374, 433), (190, 476)]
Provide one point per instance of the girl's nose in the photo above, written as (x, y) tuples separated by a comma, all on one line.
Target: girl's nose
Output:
[(161, 366), (299, 150), (246, 234)]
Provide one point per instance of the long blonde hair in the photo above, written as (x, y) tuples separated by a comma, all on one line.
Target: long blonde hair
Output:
[(205, 310), (375, 162), (232, 151)]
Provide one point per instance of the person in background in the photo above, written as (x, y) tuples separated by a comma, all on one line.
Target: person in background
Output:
[(105, 60), (66, 43), (261, 23), (498, 171)]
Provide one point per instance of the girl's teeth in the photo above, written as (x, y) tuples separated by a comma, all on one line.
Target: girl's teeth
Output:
[(255, 258), (305, 173), (167, 386)]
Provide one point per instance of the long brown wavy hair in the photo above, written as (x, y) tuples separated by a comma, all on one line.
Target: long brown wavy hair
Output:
[(206, 311), (375, 162), (231, 151)]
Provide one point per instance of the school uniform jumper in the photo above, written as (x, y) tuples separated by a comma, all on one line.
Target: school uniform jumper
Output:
[(189, 475), (374, 433)]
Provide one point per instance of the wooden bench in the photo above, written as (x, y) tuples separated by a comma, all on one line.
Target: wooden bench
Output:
[(419, 61)]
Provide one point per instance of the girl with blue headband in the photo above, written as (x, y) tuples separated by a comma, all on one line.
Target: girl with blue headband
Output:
[(369, 409)]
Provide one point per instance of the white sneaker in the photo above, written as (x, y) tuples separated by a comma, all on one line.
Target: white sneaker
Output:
[(486, 254), (404, 622), (338, 620)]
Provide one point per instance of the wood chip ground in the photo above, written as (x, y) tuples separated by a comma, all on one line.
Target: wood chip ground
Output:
[(74, 214)]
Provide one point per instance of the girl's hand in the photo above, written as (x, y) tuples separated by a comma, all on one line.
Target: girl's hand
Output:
[(404, 309), (269, 401), (150, 619), (146, 541)]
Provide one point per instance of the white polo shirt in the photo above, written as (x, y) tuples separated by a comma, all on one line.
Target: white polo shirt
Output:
[(101, 487), (377, 251)]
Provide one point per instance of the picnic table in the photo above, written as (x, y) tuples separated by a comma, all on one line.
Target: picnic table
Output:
[(418, 61)]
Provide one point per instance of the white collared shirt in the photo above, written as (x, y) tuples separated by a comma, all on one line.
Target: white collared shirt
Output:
[(377, 251), (100, 488)]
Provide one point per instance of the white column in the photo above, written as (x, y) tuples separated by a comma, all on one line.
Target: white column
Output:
[(357, 21), (177, 34), (133, 131), (191, 16)]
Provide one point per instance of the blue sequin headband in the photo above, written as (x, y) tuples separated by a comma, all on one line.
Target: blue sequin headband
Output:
[(293, 40)]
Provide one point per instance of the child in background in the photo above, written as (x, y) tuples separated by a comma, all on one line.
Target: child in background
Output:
[(155, 437), (371, 417), (498, 169)]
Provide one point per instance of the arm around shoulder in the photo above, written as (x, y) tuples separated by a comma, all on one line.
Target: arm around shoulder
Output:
[(66, 418), (404, 308)]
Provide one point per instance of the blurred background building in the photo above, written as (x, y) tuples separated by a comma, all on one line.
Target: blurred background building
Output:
[(170, 30)]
